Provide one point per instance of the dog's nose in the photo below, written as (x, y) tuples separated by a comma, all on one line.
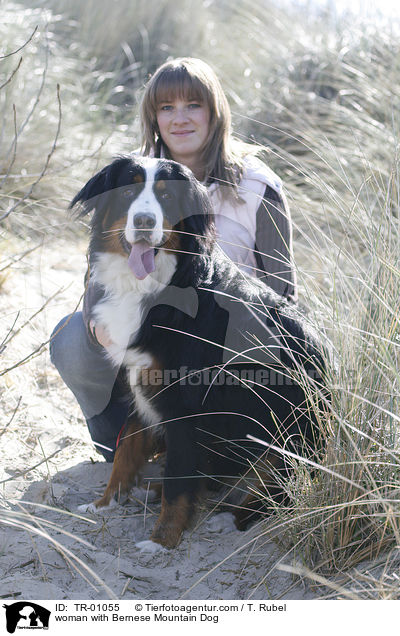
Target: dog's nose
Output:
[(142, 221)]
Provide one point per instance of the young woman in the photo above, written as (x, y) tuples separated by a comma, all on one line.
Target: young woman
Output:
[(185, 116)]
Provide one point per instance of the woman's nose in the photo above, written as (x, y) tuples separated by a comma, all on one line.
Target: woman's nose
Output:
[(180, 115)]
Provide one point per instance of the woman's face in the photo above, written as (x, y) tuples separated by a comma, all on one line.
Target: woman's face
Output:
[(184, 126)]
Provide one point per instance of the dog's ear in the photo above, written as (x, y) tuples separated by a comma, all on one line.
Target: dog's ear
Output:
[(88, 197), (94, 195)]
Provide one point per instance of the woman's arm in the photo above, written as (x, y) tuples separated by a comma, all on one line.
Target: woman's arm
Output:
[(274, 250)]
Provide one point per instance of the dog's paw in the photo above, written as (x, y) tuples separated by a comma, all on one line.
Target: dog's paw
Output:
[(91, 507), (223, 522), (150, 547)]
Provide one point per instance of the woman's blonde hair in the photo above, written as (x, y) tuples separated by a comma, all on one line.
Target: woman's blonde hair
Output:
[(192, 79)]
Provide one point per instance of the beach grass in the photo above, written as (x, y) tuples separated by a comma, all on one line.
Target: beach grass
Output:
[(319, 93)]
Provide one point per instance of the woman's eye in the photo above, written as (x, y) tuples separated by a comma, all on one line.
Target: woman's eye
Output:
[(194, 105)]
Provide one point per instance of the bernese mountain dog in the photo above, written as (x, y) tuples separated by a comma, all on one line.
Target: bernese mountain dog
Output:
[(215, 359)]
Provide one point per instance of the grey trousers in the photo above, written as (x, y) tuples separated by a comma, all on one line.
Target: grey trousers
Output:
[(96, 384)]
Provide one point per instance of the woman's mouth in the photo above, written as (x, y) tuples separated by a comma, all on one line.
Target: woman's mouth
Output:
[(182, 133)]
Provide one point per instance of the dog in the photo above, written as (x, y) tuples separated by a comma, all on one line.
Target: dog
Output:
[(215, 359)]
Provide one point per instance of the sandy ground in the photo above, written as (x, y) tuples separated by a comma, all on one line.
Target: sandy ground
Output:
[(49, 467)]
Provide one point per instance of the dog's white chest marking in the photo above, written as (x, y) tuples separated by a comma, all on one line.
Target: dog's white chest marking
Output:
[(120, 312)]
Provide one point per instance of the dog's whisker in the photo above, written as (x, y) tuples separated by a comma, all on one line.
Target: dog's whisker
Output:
[(114, 231)]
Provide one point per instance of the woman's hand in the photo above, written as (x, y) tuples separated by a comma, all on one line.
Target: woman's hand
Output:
[(100, 334)]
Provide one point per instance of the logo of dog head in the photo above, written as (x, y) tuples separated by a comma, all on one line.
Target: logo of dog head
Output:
[(26, 615)]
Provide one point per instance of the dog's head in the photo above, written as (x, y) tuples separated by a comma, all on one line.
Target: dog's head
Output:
[(141, 206)]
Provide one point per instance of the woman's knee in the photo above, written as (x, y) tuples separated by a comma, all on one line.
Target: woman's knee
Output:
[(82, 365), (70, 349), (61, 337)]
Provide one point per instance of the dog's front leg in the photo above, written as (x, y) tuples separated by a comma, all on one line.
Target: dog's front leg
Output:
[(180, 486), (130, 456)]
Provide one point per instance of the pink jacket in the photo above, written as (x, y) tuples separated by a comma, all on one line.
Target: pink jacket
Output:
[(237, 222)]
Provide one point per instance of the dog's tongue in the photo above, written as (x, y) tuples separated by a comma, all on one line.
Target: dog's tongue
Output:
[(141, 259)]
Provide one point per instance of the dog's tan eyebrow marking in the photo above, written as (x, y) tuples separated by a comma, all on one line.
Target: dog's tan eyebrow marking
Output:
[(138, 178), (160, 185)]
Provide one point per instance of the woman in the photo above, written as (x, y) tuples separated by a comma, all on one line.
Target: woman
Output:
[(185, 116)]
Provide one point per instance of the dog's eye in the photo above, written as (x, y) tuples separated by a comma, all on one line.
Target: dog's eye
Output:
[(127, 193), (166, 195)]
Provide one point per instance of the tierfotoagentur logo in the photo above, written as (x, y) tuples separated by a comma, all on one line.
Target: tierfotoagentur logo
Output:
[(26, 615)]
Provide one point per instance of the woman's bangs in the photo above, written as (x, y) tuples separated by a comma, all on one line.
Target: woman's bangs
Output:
[(178, 84)]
